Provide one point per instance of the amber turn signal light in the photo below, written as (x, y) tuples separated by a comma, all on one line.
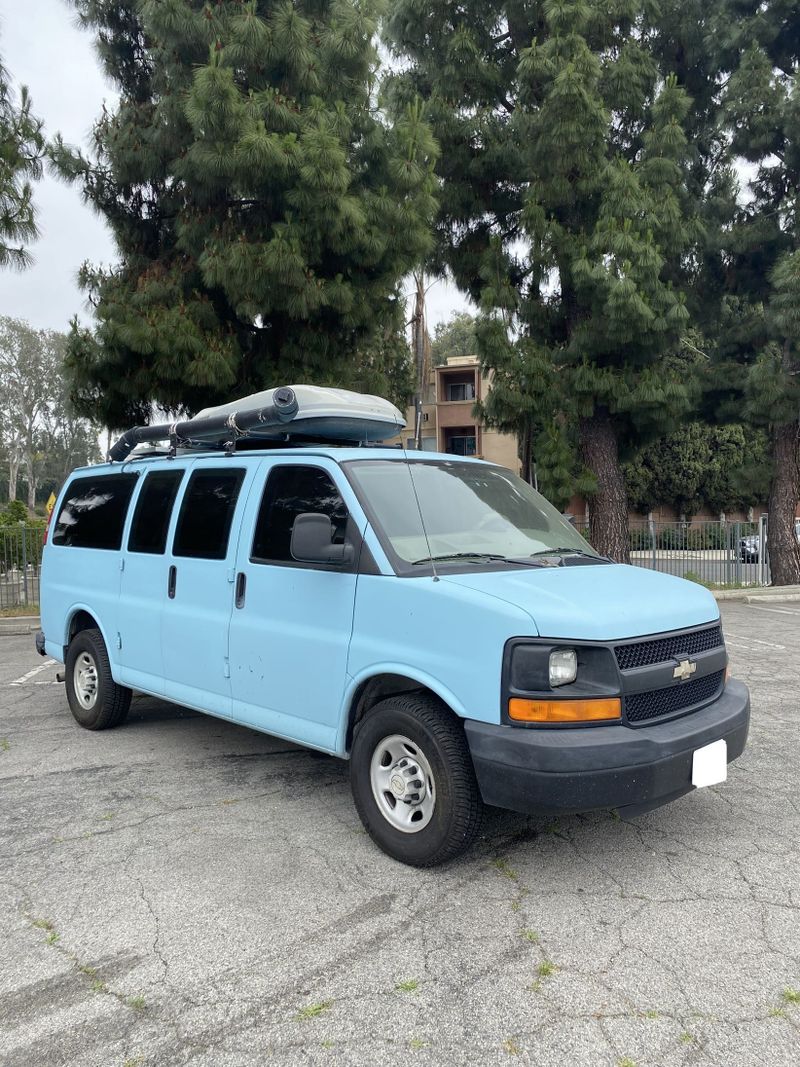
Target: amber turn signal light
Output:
[(564, 710)]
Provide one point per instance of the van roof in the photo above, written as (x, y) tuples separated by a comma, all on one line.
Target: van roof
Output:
[(337, 454)]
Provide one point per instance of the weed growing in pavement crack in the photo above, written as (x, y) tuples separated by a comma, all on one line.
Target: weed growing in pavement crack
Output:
[(409, 985), (791, 996), (686, 1037), (652, 1014), (311, 1011), (511, 1047), (52, 937), (416, 1043), (138, 1003), (626, 1062), (777, 1013), (545, 968), (42, 924), (531, 935), (504, 867), (5, 744)]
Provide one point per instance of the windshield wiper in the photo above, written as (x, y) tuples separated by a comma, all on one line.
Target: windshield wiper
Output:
[(479, 557), (570, 552)]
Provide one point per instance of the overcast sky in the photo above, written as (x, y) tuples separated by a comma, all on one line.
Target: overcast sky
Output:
[(42, 47)]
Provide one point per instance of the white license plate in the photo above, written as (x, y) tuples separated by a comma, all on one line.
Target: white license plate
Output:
[(710, 764)]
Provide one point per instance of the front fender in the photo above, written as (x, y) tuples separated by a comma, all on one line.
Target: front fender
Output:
[(375, 670)]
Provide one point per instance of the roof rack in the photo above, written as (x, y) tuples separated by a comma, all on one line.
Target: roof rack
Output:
[(299, 414)]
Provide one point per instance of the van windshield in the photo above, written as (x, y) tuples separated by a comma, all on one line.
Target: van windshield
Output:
[(469, 510)]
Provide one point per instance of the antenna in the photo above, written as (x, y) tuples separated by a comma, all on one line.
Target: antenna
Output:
[(419, 506)]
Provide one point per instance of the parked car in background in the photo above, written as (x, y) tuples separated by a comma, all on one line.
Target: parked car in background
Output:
[(750, 546)]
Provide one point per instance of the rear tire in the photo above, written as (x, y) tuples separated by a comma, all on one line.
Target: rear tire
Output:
[(413, 781), (95, 699)]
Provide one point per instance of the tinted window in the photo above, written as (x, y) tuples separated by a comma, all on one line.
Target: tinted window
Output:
[(291, 491), (206, 514), (153, 511), (93, 512)]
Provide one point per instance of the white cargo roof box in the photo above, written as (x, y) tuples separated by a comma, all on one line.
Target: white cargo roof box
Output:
[(322, 413)]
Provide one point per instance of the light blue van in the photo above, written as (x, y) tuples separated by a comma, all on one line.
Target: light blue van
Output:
[(430, 618)]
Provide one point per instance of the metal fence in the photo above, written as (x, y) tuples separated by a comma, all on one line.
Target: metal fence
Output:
[(717, 553), (20, 562)]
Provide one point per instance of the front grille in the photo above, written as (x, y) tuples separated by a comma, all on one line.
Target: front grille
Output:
[(663, 649), (639, 707)]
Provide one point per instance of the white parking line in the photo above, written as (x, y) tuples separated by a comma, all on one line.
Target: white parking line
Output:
[(777, 611), (748, 642), (25, 679)]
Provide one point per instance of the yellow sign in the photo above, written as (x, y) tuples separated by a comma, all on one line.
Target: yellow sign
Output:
[(51, 503)]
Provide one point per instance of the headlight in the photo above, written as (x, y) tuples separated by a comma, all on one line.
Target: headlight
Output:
[(563, 666)]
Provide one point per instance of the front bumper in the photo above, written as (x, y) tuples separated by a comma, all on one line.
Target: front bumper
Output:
[(565, 771)]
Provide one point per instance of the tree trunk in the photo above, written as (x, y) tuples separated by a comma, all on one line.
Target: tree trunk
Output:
[(525, 455), (608, 507), (784, 552), (13, 474)]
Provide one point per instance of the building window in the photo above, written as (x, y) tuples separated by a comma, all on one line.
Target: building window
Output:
[(461, 441), (460, 391)]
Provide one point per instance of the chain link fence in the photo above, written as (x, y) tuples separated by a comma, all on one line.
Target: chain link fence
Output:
[(715, 553), (20, 563)]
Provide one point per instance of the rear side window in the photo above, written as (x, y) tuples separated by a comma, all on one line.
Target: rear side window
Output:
[(289, 492), (93, 511), (153, 512), (204, 523)]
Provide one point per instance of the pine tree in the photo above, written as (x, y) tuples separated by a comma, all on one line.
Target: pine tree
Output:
[(568, 213), (263, 209), (760, 337), (21, 148)]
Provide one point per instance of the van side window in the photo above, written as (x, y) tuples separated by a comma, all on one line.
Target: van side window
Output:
[(93, 511), (290, 491), (204, 523), (153, 512)]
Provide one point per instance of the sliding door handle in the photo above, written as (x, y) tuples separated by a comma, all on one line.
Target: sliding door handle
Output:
[(241, 588), (171, 581)]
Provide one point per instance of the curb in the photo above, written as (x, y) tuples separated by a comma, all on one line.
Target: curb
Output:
[(19, 626), (757, 595)]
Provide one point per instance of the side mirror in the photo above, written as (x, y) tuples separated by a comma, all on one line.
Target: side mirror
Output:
[(312, 537)]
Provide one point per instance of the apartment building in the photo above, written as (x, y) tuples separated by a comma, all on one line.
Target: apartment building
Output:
[(448, 424)]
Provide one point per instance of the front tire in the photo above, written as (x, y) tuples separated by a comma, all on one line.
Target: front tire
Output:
[(413, 781), (95, 699)]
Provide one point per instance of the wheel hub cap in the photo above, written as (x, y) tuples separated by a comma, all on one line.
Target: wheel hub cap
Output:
[(85, 679), (402, 783)]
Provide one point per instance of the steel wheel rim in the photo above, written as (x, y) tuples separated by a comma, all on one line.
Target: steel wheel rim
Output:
[(84, 677), (402, 783)]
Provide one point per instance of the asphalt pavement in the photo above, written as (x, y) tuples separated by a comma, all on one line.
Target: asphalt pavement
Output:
[(185, 891)]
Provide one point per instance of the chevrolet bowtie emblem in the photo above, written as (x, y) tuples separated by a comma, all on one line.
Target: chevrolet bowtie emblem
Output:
[(684, 670)]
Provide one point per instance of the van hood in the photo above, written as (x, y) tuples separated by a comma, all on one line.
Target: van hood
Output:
[(597, 603)]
